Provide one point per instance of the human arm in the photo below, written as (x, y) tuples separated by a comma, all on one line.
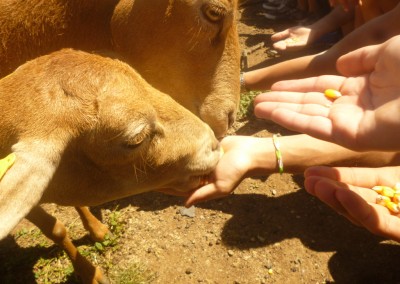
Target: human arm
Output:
[(247, 156), (348, 192), (375, 31)]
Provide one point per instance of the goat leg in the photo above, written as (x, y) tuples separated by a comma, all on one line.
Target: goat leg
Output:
[(96, 229), (56, 231)]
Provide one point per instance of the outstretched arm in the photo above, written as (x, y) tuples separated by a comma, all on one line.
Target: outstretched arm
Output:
[(375, 31), (247, 156)]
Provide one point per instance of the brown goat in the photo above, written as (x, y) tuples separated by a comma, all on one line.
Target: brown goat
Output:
[(186, 49), (85, 130)]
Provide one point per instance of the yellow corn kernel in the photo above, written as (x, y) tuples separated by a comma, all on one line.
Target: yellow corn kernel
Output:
[(6, 163), (396, 198), (397, 187), (387, 191), (384, 190), (377, 189), (393, 207), (332, 94), (382, 200)]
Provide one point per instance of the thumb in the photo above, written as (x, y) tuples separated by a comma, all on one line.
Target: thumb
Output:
[(280, 35), (207, 192), (358, 62)]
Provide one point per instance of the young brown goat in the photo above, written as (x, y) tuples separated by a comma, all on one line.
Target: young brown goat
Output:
[(186, 49), (86, 130)]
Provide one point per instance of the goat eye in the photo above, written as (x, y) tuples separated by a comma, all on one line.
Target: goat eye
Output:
[(212, 13), (132, 146), (138, 139)]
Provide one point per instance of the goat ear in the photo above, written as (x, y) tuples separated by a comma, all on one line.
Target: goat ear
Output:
[(24, 183)]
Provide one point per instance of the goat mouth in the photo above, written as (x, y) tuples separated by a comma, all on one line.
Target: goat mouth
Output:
[(194, 182), (191, 183), (198, 181), (203, 180)]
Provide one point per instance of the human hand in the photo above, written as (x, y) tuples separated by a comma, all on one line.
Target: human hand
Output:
[(366, 117), (231, 169), (348, 192), (294, 38), (346, 4)]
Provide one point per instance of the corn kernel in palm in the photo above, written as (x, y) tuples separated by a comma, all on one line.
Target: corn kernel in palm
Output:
[(384, 190), (387, 191), (396, 198), (378, 188), (6, 163), (221, 152), (393, 207), (332, 94), (382, 200)]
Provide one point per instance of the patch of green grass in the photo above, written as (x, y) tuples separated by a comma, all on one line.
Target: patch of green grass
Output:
[(33, 235), (246, 104), (53, 270), (56, 267), (115, 222), (133, 274)]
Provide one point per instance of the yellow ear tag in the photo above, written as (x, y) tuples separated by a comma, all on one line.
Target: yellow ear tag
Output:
[(6, 163)]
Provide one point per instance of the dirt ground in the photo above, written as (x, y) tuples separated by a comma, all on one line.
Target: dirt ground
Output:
[(269, 231)]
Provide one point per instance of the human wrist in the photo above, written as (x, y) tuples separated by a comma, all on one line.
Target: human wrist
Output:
[(278, 152), (262, 156)]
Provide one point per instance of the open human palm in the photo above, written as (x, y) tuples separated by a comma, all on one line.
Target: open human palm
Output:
[(350, 121), (366, 117), (293, 38), (348, 191)]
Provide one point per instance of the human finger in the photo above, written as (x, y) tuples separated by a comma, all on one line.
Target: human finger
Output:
[(362, 177), (205, 193), (311, 119), (312, 84), (280, 45), (292, 97), (323, 189), (283, 111), (280, 35), (337, 195)]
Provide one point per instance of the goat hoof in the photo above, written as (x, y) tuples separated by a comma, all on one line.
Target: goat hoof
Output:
[(100, 234), (96, 278), (103, 280)]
